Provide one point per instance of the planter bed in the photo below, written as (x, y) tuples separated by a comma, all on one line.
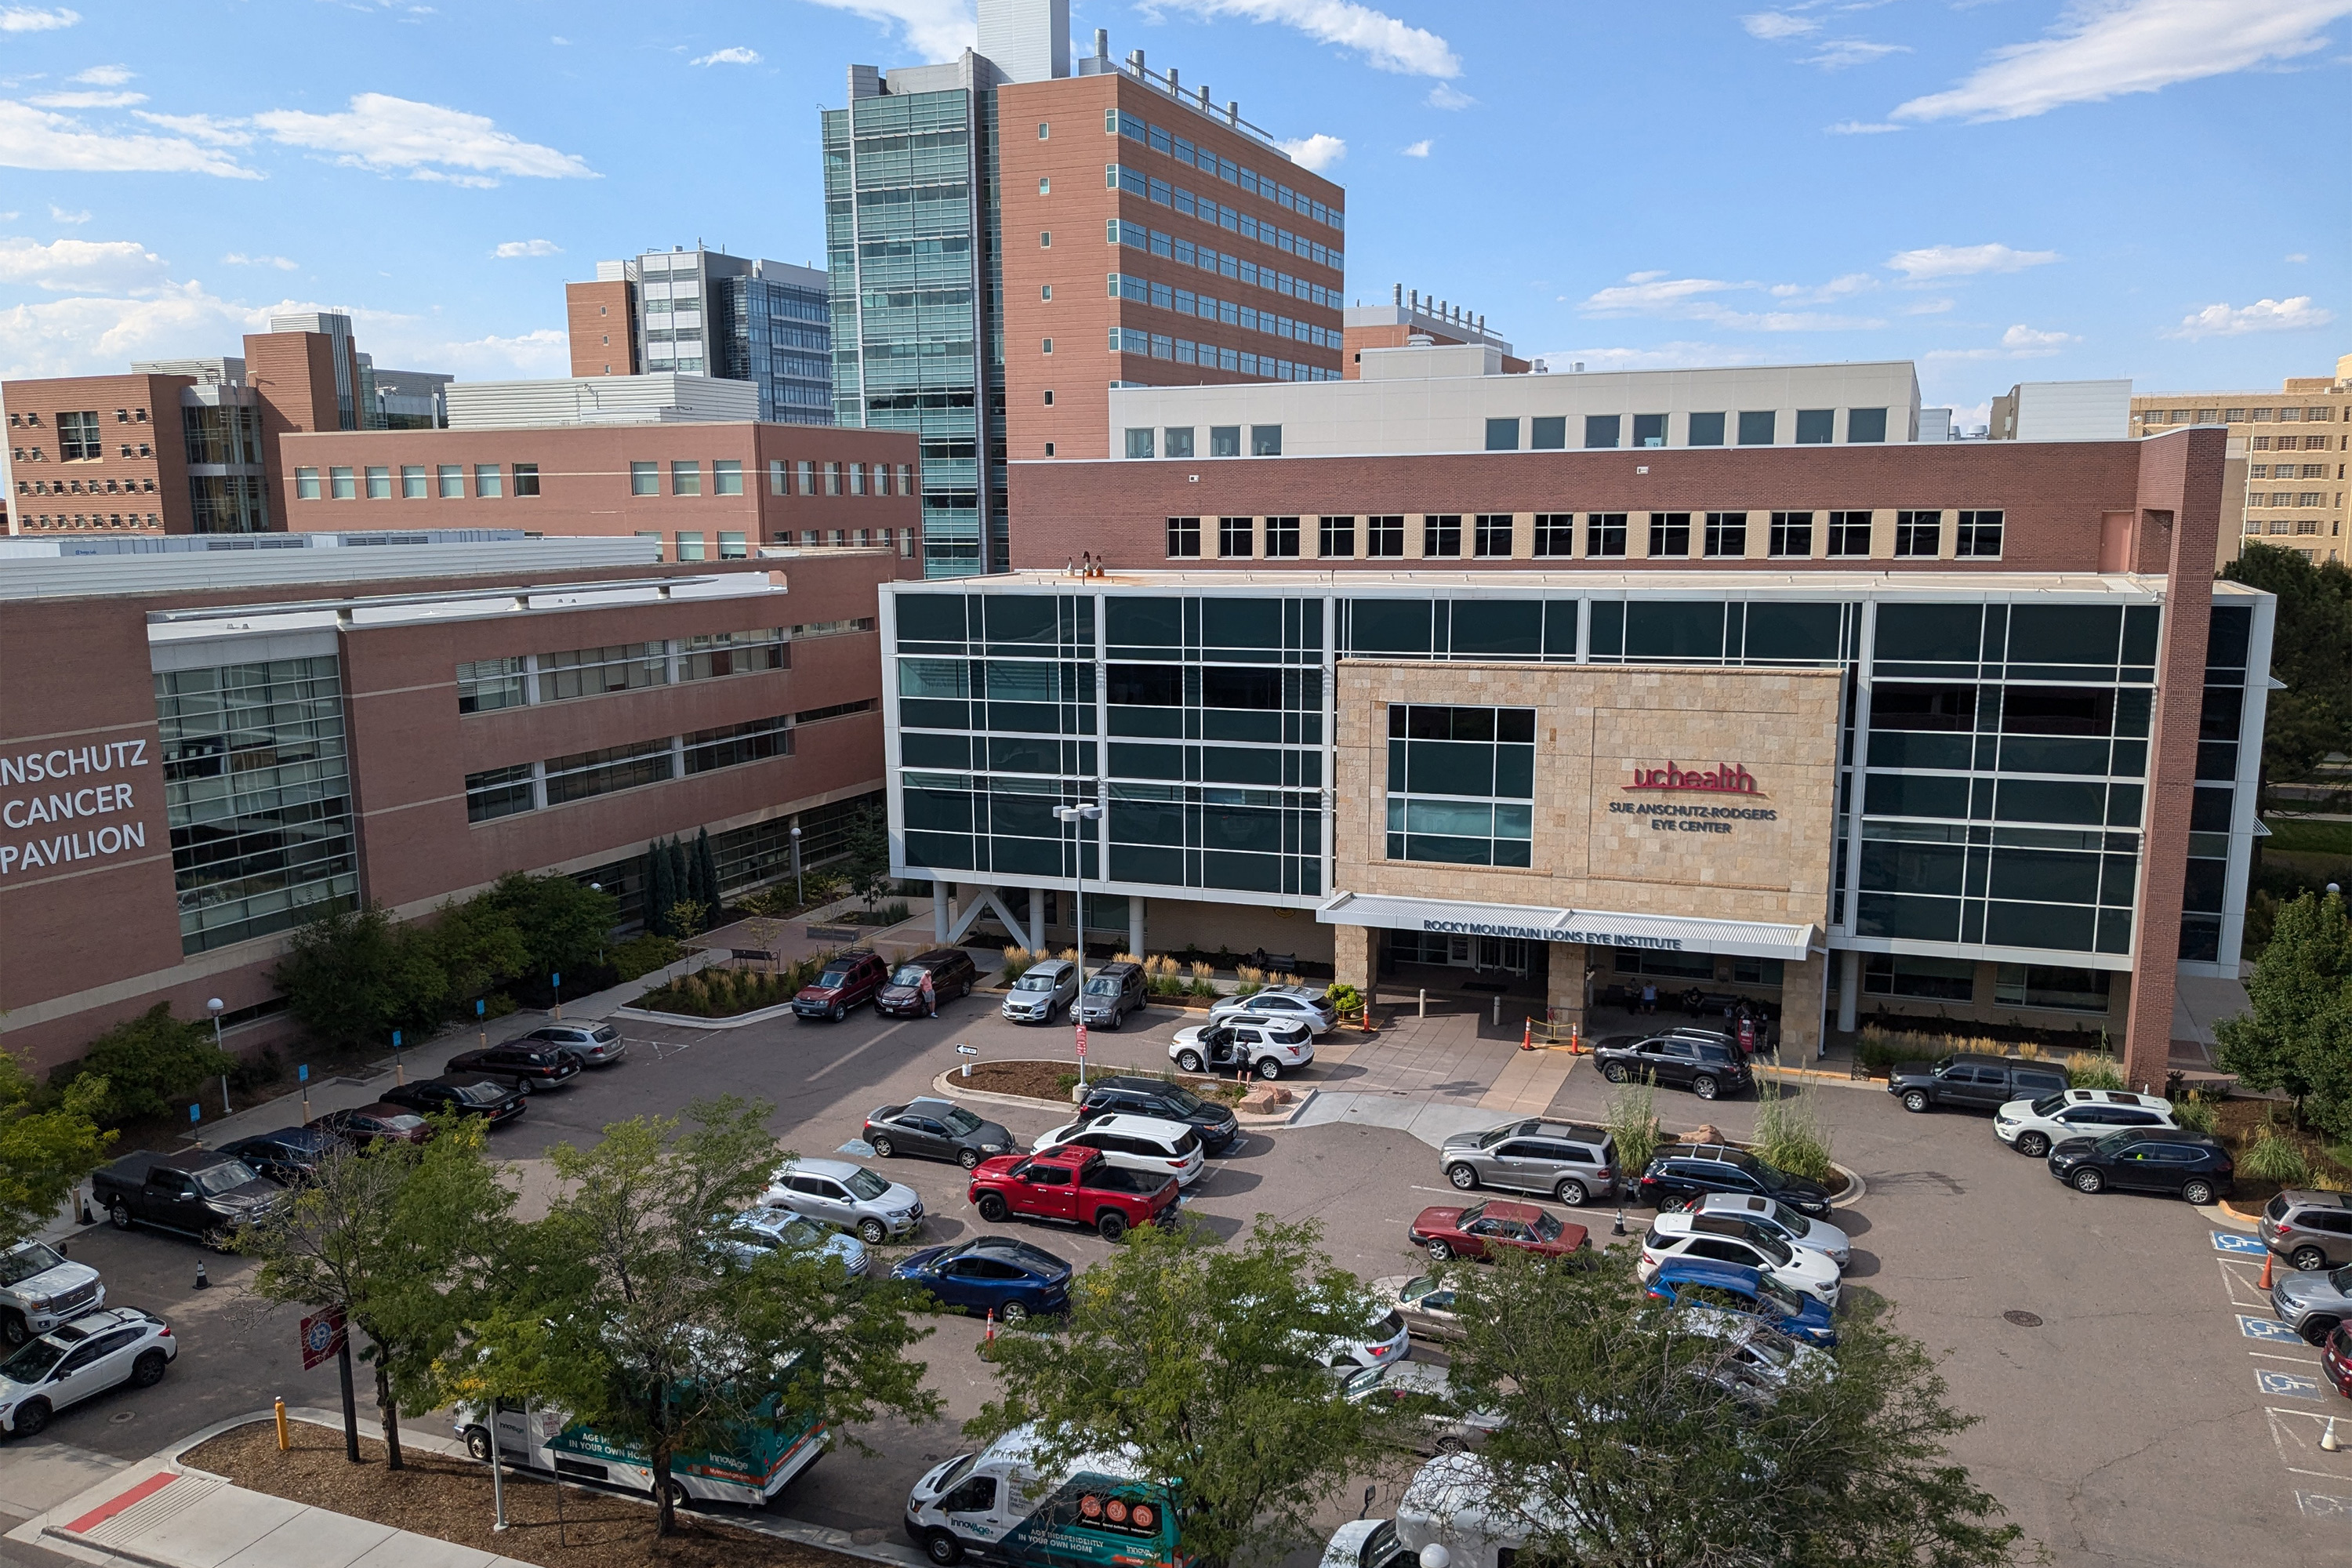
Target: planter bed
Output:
[(1838, 1182), (1043, 1081)]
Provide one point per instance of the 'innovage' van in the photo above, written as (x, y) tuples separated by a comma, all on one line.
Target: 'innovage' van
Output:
[(999, 1506)]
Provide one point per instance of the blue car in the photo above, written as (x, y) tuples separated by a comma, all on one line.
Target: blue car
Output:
[(1000, 1274), (1734, 1287)]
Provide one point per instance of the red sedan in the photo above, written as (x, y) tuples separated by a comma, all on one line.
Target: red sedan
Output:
[(2335, 1358), (1451, 1232)]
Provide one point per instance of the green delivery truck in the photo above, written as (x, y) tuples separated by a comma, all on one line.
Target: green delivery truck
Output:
[(998, 1506)]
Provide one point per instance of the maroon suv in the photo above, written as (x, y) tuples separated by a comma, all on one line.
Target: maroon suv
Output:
[(849, 980)]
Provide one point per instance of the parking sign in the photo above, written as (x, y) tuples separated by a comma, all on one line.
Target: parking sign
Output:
[(1082, 1040)]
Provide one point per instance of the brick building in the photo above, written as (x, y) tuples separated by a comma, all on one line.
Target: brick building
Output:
[(2301, 502), (1409, 316)]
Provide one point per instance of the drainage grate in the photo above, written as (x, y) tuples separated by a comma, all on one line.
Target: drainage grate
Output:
[(2023, 1320)]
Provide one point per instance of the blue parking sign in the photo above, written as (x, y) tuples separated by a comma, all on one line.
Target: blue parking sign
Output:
[(2255, 1328), (2244, 1246), (2285, 1384)]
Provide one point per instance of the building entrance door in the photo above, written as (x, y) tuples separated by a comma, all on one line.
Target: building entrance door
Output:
[(1505, 952)]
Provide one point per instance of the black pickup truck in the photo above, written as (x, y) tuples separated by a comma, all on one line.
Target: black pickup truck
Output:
[(203, 1192)]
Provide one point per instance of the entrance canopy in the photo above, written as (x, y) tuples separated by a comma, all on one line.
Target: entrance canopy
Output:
[(1594, 928)]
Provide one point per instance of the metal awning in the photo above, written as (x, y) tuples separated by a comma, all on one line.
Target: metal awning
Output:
[(1596, 928)]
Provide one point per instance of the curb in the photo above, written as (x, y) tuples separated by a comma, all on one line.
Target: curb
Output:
[(2226, 1213), (1855, 1192), (947, 1082), (687, 1021), (1816, 1075)]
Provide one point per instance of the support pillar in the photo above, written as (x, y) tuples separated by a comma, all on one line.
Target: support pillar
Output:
[(1351, 957), (1849, 991), (1036, 920), (1804, 993), (940, 913), (1134, 925), (1568, 987)]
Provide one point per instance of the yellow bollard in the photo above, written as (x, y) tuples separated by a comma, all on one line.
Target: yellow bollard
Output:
[(285, 1442)]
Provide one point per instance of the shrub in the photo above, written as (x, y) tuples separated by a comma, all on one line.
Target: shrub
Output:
[(1344, 998), (1632, 1118), (2093, 1072), (2196, 1113), (152, 1060), (720, 992), (643, 954), (1204, 980), (2271, 1158), (1018, 961), (1160, 978), (1790, 1134), (769, 903), (1250, 981)]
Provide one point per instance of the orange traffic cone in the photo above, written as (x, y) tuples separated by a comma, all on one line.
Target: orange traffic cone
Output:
[(990, 1335), (1528, 1038), (2267, 1255)]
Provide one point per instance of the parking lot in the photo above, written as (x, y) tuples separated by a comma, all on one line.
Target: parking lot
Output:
[(2134, 1409)]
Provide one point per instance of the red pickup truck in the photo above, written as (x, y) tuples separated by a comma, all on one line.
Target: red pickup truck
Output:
[(1073, 1185)]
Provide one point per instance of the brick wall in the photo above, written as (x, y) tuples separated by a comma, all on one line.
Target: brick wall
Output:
[(602, 320), (138, 481)]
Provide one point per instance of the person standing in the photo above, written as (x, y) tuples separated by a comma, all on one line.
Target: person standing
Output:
[(931, 995), (1649, 996)]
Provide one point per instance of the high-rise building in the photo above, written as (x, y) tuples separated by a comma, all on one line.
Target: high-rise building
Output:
[(704, 312), (963, 203), (2303, 502)]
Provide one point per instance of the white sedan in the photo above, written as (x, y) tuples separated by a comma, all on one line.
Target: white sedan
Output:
[(1719, 1238), (99, 1351), (2030, 1126)]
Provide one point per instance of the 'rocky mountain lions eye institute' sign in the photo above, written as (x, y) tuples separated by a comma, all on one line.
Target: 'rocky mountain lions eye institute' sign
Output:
[(1670, 817), (73, 797)]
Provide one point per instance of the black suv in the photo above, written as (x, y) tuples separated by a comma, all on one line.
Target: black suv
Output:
[(526, 1063), (1707, 1065), (1687, 1171), (953, 975), (1167, 1101), (2187, 1165), (1973, 1082), (2309, 1229)]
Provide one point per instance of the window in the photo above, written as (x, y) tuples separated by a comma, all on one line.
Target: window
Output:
[(1265, 440), (732, 546), (1792, 534), (526, 478), (731, 745), (1815, 426), (1140, 441), (586, 774), (1441, 536), (1502, 434), (1548, 433), (1281, 537), (411, 482), (306, 484), (779, 480), (1045, 346), (1707, 429), (1041, 129), (1670, 534), (1604, 534), (645, 479), (1727, 534), (690, 545), (717, 653), (1849, 533), (488, 485), (1384, 537), (1555, 534), (1915, 533), (1045, 239), (725, 477), (906, 478), (501, 791), (1934, 979), (1236, 536), (1224, 440), (686, 479), (1177, 440), (1338, 539), (1758, 427), (1648, 429), (1865, 424), (2055, 989), (1045, 185), (451, 479), (379, 484), (340, 485), (1049, 397), (77, 436), (486, 685), (595, 671), (1461, 784), (808, 476), (1977, 534), (1600, 430), (1184, 538), (1493, 534)]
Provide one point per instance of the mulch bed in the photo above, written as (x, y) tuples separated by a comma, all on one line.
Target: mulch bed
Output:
[(449, 1499), (2238, 1120), (1043, 1081)]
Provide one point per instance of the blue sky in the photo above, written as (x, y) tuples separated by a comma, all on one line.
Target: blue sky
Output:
[(1998, 189)]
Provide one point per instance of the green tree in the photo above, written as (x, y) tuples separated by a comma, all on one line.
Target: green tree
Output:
[(340, 976), (706, 871), (467, 949), (1204, 1360), (618, 1309), (1630, 1440), (149, 1061), (44, 1147), (2311, 651), (661, 889), (2298, 1038), (562, 922), (404, 1241), (869, 854)]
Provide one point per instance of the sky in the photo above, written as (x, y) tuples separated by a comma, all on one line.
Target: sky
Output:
[(2000, 189)]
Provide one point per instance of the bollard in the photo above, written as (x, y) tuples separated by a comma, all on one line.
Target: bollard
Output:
[(1498, 1010), (285, 1440), (1424, 1003), (2328, 1442), (1618, 1228)]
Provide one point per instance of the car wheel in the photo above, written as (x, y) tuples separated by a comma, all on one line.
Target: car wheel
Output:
[(2306, 1259), (873, 1232), (2089, 1181), (1012, 1314), (1111, 1225), (1189, 1060), (838, 1012), (1570, 1193), (1462, 1176), (32, 1417), (148, 1370), (478, 1443), (992, 1208), (14, 1329), (2314, 1331), (1705, 1086), (1269, 1069), (968, 1158), (884, 1148), (1915, 1101), (2199, 1193), (942, 1547), (1439, 1251), (2033, 1145), (1614, 1072), (118, 1213), (678, 1495)]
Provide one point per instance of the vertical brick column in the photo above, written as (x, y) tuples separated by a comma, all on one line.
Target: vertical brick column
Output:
[(1565, 976), (1804, 992), (1351, 957)]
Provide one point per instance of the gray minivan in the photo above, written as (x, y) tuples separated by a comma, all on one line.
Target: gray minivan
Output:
[(1572, 1162), (1111, 993)]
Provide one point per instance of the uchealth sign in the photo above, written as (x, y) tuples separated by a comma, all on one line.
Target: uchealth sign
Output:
[(1723, 778), (56, 805)]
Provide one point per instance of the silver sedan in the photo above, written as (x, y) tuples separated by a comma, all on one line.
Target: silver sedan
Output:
[(1287, 1003)]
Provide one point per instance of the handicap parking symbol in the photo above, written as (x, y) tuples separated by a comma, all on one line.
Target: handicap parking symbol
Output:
[(2255, 1328), (2287, 1385), (2315, 1506), (2244, 1246)]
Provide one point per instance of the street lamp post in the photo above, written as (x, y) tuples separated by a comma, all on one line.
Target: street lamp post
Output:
[(215, 1008), (1084, 811), (800, 887)]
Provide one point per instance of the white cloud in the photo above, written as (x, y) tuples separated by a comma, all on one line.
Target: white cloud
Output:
[(1662, 356), (2024, 340), (59, 214), (1384, 42), (202, 127), (514, 248), (1928, 307), (1445, 95), (1837, 54), (62, 265), (737, 56), (1861, 128), (90, 335), (2104, 48), (935, 29), (1774, 26), (1842, 287), (37, 139), (104, 76), (283, 264), (384, 133), (1648, 293), (33, 19), (1693, 299), (2261, 316), (1934, 262), (90, 100), (2297, 256), (1316, 153), (1417, 150)]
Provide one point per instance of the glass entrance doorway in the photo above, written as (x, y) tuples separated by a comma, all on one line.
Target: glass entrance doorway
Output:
[(1503, 954)]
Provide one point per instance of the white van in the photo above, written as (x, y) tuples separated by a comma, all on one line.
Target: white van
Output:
[(764, 1454), (1454, 1503), (997, 1505)]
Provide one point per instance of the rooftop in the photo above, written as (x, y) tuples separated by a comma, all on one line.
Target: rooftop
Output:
[(1571, 578)]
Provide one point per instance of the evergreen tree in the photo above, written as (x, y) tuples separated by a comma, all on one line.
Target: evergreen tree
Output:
[(681, 871), (661, 889), (706, 871), (2298, 1038)]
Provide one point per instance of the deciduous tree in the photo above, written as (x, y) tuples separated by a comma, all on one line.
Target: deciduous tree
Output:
[(149, 1061), (44, 1147)]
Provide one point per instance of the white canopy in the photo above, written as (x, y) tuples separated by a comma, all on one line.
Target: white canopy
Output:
[(1596, 928)]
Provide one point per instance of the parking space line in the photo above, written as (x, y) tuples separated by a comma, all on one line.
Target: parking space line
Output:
[(2244, 1292), (2292, 1360), (2289, 1426)]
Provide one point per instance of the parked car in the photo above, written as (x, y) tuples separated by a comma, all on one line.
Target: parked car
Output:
[(1073, 1186), (1571, 1162), (1129, 1096), (378, 1123), (288, 1156), (526, 1064), (41, 1287), (2310, 1230), (1267, 1046), (2030, 1126), (1381, 1342), (200, 1193), (999, 1274), (1367, 1543), (2187, 1165), (1967, 1081), (76, 1360), (848, 980), (1426, 1302), (1142, 1143), (1706, 1066), (949, 970), (1112, 993), (2335, 1358), (493, 1101), (937, 1129), (1043, 991), (1287, 1003), (1451, 1230), (2314, 1303), (1818, 1234), (1429, 1389), (1681, 1173), (596, 1045), (1753, 1355), (847, 1197), (754, 1234), (1688, 1282), (1726, 1240)]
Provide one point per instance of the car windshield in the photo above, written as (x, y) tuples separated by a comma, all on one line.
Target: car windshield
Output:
[(956, 1472), (1103, 985), (1032, 981), (1789, 1219), (833, 979), (33, 1362), (1364, 1382), (959, 1122), (1547, 1227), (604, 1033), (799, 1232), (1770, 1245), (865, 1183), (2049, 1105), (909, 975), (1773, 1350), (1183, 1100), (481, 1093), (1414, 1289), (1770, 1179), (27, 1261), (2114, 1142), (230, 1174), (1780, 1295), (402, 1123), (1494, 1135), (1942, 1064)]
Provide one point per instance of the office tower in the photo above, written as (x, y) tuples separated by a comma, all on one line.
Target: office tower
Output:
[(704, 312), (2297, 503)]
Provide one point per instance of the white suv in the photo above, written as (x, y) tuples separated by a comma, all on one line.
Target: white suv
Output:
[(1267, 1046), (1720, 1238), (1144, 1143), (2030, 1126), (96, 1351)]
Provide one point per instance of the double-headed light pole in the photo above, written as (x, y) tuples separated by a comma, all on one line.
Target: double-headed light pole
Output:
[(1084, 812)]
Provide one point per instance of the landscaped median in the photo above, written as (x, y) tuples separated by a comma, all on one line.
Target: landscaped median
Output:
[(1054, 1085)]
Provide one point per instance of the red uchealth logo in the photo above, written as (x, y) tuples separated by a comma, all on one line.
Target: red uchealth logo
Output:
[(1723, 778)]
